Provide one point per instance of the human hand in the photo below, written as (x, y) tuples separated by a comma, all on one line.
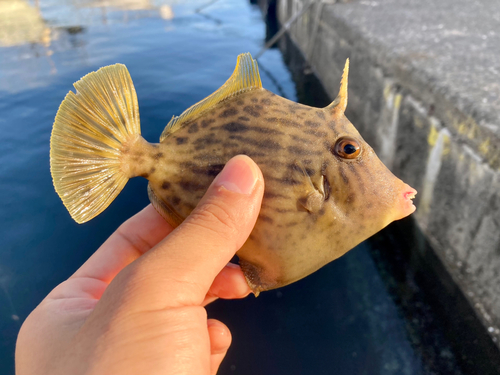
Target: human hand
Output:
[(137, 305)]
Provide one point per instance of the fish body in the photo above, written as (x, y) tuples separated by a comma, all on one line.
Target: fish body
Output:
[(325, 189)]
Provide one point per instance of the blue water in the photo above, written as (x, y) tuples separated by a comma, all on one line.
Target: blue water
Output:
[(341, 320)]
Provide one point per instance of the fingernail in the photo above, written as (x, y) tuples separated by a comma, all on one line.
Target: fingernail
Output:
[(239, 175), (218, 327)]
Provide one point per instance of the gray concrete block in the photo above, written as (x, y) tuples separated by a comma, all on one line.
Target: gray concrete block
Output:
[(424, 91)]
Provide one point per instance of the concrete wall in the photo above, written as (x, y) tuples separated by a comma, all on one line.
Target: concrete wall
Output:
[(443, 144)]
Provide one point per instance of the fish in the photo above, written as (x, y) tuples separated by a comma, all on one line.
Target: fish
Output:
[(326, 191)]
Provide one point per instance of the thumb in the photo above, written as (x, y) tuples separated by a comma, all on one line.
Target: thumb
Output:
[(180, 270)]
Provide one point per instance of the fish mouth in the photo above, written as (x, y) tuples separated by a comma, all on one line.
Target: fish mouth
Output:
[(406, 206)]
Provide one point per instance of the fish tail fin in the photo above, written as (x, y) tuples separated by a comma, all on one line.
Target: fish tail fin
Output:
[(90, 132)]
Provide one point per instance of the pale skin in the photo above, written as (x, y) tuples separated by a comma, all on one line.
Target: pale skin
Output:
[(137, 305)]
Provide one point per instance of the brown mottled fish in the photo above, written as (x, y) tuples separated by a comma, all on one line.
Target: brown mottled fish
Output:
[(325, 189)]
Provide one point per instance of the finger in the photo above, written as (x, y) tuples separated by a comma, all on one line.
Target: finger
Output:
[(133, 238), (230, 283), (181, 269), (220, 340)]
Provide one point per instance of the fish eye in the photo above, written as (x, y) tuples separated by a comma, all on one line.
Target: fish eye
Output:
[(347, 148)]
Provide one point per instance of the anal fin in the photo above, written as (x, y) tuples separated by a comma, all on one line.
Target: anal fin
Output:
[(169, 214)]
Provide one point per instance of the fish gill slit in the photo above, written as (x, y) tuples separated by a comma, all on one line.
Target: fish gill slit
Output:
[(326, 187)]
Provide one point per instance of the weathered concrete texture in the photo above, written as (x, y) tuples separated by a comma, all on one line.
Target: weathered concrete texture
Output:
[(424, 91)]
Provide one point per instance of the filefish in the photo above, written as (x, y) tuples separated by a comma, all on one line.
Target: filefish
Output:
[(325, 189)]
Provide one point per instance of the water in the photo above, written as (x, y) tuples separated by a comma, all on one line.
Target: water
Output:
[(345, 319)]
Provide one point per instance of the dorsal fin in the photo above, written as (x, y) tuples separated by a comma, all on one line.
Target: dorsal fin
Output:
[(340, 103), (244, 78)]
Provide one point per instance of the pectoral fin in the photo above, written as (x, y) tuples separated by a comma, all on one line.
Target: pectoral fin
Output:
[(310, 196), (312, 202)]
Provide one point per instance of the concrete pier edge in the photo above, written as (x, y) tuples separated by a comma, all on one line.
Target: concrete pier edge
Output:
[(426, 96)]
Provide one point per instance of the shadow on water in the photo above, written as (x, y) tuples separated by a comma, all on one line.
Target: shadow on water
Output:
[(380, 309), (431, 302)]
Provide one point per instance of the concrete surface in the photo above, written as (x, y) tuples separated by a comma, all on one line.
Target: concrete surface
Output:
[(424, 91)]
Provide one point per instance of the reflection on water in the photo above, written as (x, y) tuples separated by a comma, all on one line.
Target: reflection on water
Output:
[(22, 23), (38, 24), (161, 8)]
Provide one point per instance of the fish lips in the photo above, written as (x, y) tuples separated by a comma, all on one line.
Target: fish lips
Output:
[(405, 204)]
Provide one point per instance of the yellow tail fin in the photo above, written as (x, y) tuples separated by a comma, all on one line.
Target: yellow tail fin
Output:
[(88, 133)]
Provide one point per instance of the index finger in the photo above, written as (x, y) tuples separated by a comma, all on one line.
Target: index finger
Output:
[(133, 238)]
